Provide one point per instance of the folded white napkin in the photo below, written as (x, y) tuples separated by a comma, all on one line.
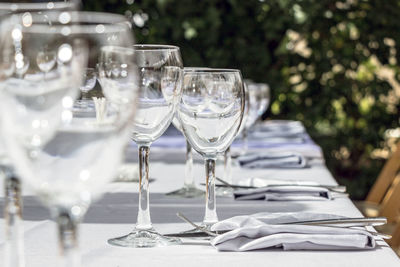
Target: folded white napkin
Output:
[(263, 218), (277, 132), (280, 125), (275, 160), (260, 231), (284, 193)]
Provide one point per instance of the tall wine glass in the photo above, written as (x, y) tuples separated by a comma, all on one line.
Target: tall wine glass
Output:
[(12, 185), (227, 191), (160, 72), (89, 82), (189, 189), (264, 98), (259, 97), (64, 157), (210, 113)]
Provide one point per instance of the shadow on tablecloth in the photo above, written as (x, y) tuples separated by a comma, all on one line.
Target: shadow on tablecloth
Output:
[(122, 208)]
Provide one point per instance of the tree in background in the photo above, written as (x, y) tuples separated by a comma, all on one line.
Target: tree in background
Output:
[(330, 64)]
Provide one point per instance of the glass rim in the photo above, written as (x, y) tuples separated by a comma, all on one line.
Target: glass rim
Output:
[(155, 47), (206, 70), (78, 22), (45, 6)]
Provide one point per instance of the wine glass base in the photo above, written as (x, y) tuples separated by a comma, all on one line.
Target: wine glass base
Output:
[(144, 239), (187, 192)]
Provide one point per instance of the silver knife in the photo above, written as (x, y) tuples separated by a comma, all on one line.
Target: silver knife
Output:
[(335, 188)]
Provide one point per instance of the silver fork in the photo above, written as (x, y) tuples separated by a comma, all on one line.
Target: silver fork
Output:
[(333, 188), (197, 227)]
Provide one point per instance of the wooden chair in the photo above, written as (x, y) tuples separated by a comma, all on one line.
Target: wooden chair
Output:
[(384, 197)]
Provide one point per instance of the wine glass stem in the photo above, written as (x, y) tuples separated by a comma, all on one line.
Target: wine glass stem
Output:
[(189, 178), (228, 166), (210, 216), (13, 222), (68, 239), (143, 219)]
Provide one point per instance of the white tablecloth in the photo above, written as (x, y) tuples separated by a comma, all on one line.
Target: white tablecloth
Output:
[(115, 214)]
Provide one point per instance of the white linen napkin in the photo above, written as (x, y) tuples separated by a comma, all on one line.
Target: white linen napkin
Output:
[(276, 132), (284, 193), (259, 231), (275, 160), (280, 125)]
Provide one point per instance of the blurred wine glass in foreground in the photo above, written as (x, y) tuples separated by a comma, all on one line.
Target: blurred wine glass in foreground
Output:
[(12, 185), (64, 157)]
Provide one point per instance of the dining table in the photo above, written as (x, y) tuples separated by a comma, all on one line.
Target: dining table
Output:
[(114, 213)]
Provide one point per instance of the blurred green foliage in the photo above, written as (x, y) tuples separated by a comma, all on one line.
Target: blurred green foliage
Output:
[(330, 64)]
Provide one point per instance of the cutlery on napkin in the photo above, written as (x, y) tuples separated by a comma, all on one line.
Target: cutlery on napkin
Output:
[(264, 230), (263, 218), (275, 160), (294, 237), (292, 231), (255, 182), (284, 193), (297, 218)]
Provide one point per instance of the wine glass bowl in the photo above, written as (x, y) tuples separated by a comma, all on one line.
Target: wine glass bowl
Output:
[(159, 71), (259, 98), (35, 92), (211, 109)]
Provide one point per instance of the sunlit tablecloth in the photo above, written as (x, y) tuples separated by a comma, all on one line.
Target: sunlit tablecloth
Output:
[(115, 214)]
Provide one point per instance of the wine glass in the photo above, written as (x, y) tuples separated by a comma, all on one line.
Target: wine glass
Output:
[(160, 72), (210, 112), (264, 98), (89, 82), (259, 97), (66, 157), (227, 191), (189, 189), (12, 188)]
